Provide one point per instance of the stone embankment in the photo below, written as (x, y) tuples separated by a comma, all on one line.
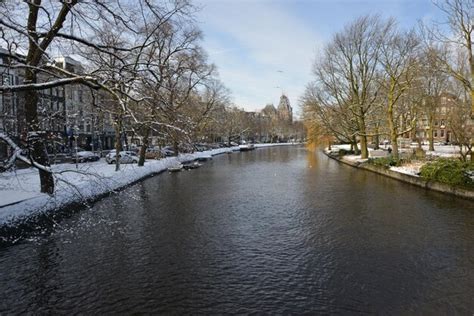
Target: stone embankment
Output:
[(407, 178)]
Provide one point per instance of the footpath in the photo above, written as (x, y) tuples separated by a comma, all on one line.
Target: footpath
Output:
[(19, 190)]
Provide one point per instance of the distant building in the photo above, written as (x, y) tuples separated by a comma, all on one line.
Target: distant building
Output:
[(84, 120), (8, 100), (285, 111), (51, 103), (441, 129)]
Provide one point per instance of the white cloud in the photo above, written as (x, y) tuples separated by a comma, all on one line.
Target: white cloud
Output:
[(250, 42)]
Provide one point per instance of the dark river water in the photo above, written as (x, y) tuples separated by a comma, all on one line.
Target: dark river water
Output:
[(275, 231)]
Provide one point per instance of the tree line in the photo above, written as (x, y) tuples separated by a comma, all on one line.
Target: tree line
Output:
[(376, 80), (142, 59)]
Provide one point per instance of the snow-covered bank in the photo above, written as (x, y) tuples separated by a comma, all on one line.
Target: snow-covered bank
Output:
[(275, 144), (407, 173), (413, 168), (19, 191)]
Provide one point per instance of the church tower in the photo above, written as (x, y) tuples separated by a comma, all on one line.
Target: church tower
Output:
[(285, 111)]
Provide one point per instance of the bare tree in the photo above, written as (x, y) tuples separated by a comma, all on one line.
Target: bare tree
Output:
[(347, 72), (204, 107), (433, 83), (460, 18), (326, 118), (458, 118), (111, 29), (398, 60)]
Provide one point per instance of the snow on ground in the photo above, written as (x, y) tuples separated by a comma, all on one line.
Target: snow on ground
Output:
[(274, 144), (412, 168), (19, 190), (349, 158)]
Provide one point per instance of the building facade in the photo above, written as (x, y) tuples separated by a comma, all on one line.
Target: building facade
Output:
[(441, 130)]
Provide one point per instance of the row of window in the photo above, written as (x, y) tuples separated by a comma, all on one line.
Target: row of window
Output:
[(441, 133), (436, 133), (7, 104), (53, 105), (436, 122)]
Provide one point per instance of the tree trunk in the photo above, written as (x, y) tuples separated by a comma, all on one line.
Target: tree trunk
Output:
[(363, 137), (431, 133), (146, 133), (471, 64), (356, 148), (38, 151), (118, 140), (394, 141), (176, 147), (377, 137), (391, 126)]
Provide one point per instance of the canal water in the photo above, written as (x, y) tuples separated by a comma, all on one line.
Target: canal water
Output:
[(275, 231)]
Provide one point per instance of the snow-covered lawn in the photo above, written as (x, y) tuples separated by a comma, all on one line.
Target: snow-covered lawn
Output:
[(412, 168), (349, 158), (19, 190)]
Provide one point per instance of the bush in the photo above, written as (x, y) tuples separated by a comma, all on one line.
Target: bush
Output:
[(385, 162), (449, 171), (344, 152)]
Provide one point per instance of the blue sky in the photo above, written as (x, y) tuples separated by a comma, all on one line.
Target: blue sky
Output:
[(265, 47)]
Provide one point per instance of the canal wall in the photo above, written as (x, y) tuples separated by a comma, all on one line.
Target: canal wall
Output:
[(413, 180)]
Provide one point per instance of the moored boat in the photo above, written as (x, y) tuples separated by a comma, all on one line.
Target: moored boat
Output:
[(204, 158), (246, 147), (193, 165), (176, 167)]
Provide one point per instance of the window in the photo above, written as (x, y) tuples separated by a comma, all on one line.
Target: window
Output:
[(6, 80), (80, 95), (442, 133), (436, 123), (435, 133)]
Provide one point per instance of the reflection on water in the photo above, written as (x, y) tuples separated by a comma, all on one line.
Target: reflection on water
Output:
[(277, 230)]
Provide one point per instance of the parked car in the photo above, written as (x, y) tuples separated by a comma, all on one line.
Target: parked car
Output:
[(185, 148), (153, 153), (213, 146), (84, 156), (72, 150), (167, 151), (124, 156), (200, 147)]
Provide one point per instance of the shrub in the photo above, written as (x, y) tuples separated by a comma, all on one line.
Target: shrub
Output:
[(343, 152), (385, 162), (449, 171)]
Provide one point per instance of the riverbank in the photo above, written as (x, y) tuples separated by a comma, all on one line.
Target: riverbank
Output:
[(404, 174), (19, 191)]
